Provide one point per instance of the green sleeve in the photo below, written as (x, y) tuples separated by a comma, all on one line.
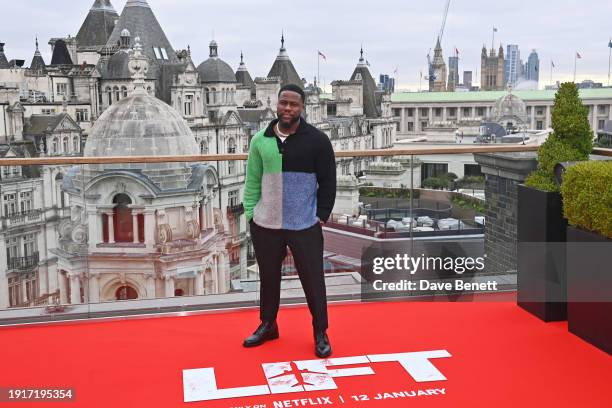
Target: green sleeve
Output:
[(252, 189)]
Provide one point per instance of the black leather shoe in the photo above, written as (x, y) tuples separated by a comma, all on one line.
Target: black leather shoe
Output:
[(266, 331), (322, 347)]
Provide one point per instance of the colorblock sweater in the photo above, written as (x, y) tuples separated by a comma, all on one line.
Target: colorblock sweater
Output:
[(292, 184)]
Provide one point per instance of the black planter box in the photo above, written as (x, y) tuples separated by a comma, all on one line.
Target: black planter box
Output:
[(541, 232), (589, 276)]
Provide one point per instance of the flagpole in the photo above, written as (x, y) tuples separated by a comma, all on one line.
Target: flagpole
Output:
[(609, 60), (575, 64), (493, 40), (551, 71), (318, 66)]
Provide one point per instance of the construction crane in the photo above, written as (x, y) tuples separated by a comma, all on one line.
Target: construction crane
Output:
[(431, 76)]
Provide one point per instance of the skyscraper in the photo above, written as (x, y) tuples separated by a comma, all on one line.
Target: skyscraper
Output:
[(467, 79), (453, 73), (513, 66), (532, 68)]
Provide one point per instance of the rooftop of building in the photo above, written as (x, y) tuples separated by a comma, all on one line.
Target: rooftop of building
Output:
[(491, 96)]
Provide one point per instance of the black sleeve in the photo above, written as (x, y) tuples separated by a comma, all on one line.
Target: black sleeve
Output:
[(325, 163)]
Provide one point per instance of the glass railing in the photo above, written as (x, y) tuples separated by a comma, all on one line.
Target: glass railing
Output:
[(124, 236)]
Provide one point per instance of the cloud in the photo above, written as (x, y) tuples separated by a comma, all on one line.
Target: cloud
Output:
[(395, 33)]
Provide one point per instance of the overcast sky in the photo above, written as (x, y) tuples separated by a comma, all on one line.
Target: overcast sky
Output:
[(394, 33)]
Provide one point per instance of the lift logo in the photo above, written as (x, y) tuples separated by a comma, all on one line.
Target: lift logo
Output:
[(309, 375)]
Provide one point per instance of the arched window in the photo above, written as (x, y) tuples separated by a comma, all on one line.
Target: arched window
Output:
[(75, 144), (54, 146), (122, 219), (203, 147), (117, 93), (207, 95), (126, 292), (149, 90), (214, 95), (109, 94), (65, 145), (124, 91)]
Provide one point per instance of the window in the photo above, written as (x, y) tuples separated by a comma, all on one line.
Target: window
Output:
[(163, 53), (54, 145), (602, 109), (31, 286), (214, 95), (423, 125), (109, 95), (12, 249), (410, 126), (467, 112), (601, 124), (472, 170), (188, 105), (331, 109), (25, 201), (117, 93), (539, 125), (207, 95), (203, 147), (232, 198), (157, 53), (452, 112), (410, 112), (61, 88), (438, 112), (14, 292), (149, 90), (122, 219), (433, 170), (124, 91), (29, 245), (481, 111), (65, 145), (539, 111), (48, 111), (231, 148), (75, 144), (397, 112), (425, 112), (10, 204), (82, 115)]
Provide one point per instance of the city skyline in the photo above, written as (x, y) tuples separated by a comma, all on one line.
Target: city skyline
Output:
[(392, 40)]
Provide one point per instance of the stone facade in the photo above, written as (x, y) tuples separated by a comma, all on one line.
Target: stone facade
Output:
[(504, 172)]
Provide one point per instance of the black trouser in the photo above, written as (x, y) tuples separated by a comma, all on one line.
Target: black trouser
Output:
[(307, 250)]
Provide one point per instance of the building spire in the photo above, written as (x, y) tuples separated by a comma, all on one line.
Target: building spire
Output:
[(138, 66)]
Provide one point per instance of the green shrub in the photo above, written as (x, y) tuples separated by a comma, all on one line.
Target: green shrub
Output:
[(469, 203), (587, 196), (436, 183), (382, 192), (571, 140)]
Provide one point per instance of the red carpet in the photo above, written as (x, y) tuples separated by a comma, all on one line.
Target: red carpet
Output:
[(500, 357)]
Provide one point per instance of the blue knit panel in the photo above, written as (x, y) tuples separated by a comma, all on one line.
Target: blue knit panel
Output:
[(299, 200)]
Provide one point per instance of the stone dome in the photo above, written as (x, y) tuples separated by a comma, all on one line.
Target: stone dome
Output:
[(140, 125), (509, 108), (214, 69)]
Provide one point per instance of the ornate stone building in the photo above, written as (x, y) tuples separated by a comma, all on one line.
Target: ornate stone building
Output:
[(492, 68), (145, 230), (437, 76)]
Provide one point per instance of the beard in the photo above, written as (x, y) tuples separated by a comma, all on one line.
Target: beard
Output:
[(284, 123)]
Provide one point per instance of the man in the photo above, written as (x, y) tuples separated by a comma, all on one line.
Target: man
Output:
[(290, 190)]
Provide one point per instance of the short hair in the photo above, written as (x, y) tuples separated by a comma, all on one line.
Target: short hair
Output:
[(293, 88)]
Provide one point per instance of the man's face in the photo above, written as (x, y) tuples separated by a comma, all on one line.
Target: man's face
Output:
[(289, 108)]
